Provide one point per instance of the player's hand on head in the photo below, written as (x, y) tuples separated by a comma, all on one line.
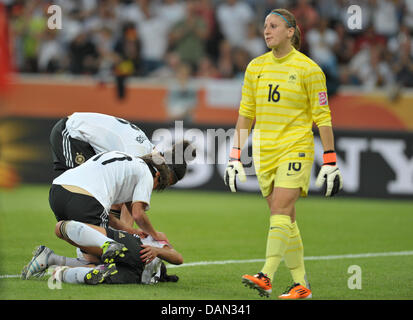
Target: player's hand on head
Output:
[(140, 233), (148, 253), (329, 175), (234, 169)]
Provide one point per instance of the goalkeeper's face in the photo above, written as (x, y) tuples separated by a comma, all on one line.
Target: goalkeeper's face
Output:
[(276, 32)]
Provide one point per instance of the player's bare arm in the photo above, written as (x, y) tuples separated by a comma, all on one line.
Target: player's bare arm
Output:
[(142, 220), (167, 253), (125, 224), (242, 130), (126, 216), (120, 225), (327, 137)]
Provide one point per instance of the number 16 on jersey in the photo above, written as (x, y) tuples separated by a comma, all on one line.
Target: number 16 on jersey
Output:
[(273, 94)]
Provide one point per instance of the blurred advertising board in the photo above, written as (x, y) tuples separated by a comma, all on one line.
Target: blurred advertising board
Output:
[(373, 163)]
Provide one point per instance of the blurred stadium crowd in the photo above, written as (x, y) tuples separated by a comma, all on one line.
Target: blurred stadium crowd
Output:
[(210, 38)]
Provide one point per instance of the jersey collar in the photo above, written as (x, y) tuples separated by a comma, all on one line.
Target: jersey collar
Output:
[(285, 58)]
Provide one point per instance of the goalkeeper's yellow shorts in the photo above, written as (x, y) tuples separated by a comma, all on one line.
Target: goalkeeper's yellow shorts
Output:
[(294, 174)]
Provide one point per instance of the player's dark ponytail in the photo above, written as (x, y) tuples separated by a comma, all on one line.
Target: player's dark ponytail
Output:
[(291, 22), (178, 156), (156, 163), (165, 277)]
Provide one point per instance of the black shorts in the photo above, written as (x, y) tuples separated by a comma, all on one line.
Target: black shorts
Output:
[(67, 152), (68, 205), (130, 267)]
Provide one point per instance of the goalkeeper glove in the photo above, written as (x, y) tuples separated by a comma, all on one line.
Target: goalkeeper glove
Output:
[(330, 174), (234, 169)]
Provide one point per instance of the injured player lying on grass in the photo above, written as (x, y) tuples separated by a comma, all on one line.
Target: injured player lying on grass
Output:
[(109, 256)]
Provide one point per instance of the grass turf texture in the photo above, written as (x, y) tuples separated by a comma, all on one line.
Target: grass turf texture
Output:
[(223, 226)]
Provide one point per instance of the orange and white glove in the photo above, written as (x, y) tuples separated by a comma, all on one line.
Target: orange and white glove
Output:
[(329, 175), (234, 169)]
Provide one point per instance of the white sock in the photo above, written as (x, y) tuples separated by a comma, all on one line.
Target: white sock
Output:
[(57, 260), (75, 275), (83, 235)]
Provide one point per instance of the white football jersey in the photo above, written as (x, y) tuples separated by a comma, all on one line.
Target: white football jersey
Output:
[(112, 177), (108, 133), (152, 271)]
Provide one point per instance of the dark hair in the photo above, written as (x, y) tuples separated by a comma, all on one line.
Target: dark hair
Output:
[(291, 22), (156, 163), (164, 277), (177, 158)]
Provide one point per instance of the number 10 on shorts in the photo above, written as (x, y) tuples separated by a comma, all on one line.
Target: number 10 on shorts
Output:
[(296, 166)]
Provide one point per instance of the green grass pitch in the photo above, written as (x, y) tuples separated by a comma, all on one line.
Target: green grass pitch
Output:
[(216, 228)]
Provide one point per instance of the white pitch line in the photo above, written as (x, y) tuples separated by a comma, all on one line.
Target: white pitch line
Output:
[(7, 276), (310, 258)]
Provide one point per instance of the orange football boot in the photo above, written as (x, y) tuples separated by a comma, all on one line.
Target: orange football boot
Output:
[(296, 291), (259, 282)]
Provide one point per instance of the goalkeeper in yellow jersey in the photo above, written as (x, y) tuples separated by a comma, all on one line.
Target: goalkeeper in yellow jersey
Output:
[(284, 91)]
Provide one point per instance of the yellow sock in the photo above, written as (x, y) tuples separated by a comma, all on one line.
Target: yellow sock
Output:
[(294, 256), (277, 242)]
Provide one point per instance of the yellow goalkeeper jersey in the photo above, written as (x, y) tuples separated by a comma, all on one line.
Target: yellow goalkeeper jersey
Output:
[(285, 96)]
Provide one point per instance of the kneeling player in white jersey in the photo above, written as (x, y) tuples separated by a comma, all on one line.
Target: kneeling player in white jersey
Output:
[(87, 192), (120, 257), (80, 136)]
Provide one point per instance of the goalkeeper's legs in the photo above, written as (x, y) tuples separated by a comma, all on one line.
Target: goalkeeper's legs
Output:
[(294, 257), (281, 202)]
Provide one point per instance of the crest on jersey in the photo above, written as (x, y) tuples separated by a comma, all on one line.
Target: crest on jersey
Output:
[(292, 78), (140, 139), (80, 158)]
